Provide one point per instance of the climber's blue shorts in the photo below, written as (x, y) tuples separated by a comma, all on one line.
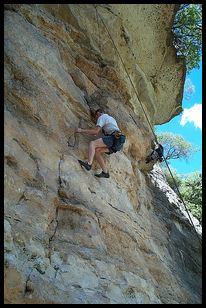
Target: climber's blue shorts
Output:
[(108, 140)]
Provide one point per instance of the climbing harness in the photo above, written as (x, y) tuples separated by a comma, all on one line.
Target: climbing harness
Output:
[(118, 141), (146, 118)]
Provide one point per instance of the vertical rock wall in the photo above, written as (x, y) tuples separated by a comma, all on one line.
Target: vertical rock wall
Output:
[(69, 237)]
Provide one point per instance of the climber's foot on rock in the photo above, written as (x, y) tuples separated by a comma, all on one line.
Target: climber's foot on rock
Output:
[(85, 164)]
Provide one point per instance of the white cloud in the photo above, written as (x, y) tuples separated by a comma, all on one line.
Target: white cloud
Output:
[(189, 89), (193, 114)]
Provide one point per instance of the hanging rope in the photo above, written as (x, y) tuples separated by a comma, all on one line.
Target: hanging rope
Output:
[(146, 118), (126, 71), (75, 136), (75, 140), (179, 194), (98, 30)]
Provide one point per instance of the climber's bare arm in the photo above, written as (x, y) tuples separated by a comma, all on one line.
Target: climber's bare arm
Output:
[(90, 131)]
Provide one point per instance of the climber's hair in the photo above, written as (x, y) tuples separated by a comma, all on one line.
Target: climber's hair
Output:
[(98, 110)]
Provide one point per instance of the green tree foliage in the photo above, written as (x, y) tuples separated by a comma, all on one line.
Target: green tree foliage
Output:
[(173, 184), (191, 191), (190, 188), (187, 29), (175, 146)]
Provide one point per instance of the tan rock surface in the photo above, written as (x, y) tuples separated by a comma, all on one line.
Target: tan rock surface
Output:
[(70, 237)]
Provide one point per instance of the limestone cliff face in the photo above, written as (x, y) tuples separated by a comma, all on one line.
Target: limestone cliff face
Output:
[(70, 237)]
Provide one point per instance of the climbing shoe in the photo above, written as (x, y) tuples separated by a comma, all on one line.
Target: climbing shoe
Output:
[(102, 175), (85, 165)]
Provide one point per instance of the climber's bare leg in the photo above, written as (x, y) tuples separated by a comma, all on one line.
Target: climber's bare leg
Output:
[(100, 159), (92, 147)]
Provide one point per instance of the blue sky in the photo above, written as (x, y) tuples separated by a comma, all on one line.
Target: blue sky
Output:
[(189, 123)]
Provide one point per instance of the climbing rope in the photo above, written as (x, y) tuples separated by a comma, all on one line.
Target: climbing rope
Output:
[(179, 194), (98, 30), (75, 140), (146, 116), (125, 71), (74, 135)]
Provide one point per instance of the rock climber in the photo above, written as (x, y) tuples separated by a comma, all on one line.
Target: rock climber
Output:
[(111, 142), (156, 154)]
